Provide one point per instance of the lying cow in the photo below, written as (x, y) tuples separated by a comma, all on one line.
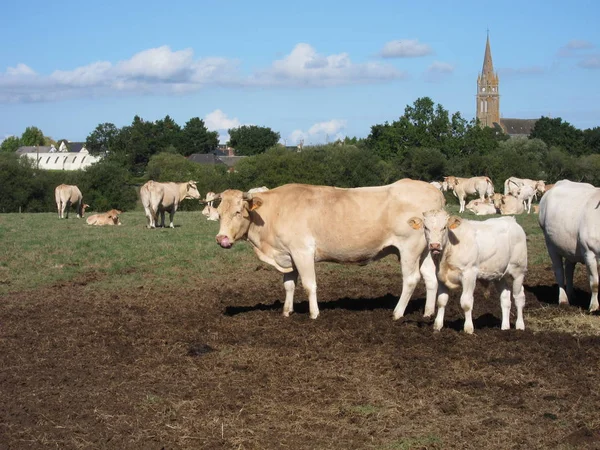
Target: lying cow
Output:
[(508, 204), (512, 185), (160, 197), (467, 250), (481, 207), (108, 218), (481, 186), (209, 211), (570, 219), (294, 226), (67, 195)]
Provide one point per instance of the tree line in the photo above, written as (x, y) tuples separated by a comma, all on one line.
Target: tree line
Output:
[(425, 143)]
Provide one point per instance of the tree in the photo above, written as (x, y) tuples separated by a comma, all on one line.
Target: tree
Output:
[(10, 144), (195, 138), (32, 136), (102, 139), (252, 140), (556, 133)]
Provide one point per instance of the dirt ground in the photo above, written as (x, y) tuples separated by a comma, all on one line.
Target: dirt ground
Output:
[(213, 364)]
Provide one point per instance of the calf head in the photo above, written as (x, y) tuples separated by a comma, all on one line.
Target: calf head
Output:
[(210, 212), (435, 224), (235, 215), (450, 182), (540, 187)]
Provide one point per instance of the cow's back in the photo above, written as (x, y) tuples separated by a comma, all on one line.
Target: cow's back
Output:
[(562, 211), (344, 224)]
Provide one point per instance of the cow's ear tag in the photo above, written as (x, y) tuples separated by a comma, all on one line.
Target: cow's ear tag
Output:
[(256, 203), (415, 222), (454, 222)]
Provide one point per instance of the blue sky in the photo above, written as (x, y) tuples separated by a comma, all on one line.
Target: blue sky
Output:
[(311, 70)]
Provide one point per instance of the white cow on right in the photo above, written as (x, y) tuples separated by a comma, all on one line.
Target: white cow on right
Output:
[(467, 250), (570, 219)]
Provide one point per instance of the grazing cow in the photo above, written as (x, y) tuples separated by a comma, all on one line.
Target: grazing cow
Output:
[(294, 226), (257, 190), (525, 195), (570, 219), (512, 185), (438, 185), (467, 250), (160, 197), (108, 218), (481, 207), (508, 204), (462, 187), (67, 195)]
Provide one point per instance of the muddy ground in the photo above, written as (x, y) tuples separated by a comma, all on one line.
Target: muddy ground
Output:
[(213, 364)]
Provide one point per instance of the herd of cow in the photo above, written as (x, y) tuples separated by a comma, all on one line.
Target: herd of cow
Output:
[(294, 226)]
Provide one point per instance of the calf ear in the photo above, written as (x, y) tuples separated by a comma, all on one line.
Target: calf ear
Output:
[(454, 222), (416, 223), (254, 203)]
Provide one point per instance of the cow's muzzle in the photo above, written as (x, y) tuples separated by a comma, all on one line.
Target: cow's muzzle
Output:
[(223, 241), (435, 248)]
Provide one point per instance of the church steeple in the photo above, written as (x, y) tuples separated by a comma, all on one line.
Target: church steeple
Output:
[(488, 96)]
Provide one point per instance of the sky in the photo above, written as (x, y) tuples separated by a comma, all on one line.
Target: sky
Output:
[(314, 71)]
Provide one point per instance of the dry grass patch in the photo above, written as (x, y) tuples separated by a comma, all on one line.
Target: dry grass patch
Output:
[(569, 320)]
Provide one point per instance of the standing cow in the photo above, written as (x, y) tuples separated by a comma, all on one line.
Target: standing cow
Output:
[(467, 250), (570, 219), (295, 225), (67, 195), (462, 187), (160, 197), (512, 185)]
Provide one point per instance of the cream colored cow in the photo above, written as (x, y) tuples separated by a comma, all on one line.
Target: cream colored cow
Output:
[(508, 204), (67, 195), (294, 226), (481, 207), (462, 187), (467, 250), (512, 185), (160, 197), (108, 218)]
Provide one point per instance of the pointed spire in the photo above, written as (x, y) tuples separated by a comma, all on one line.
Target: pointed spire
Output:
[(488, 66)]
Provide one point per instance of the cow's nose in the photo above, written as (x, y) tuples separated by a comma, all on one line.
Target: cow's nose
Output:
[(435, 246), (223, 241)]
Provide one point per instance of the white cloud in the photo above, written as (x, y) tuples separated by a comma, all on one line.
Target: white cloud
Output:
[(591, 62), (573, 47), (438, 70), (305, 67), (407, 48), (218, 120), (174, 72), (319, 133)]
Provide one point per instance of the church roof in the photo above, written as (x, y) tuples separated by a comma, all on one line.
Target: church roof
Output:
[(488, 65), (518, 127)]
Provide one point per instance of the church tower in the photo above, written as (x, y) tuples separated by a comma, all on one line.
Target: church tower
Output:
[(488, 97)]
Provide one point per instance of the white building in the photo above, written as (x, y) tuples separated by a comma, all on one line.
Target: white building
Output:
[(73, 157)]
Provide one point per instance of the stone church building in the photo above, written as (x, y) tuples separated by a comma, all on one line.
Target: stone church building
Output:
[(488, 101)]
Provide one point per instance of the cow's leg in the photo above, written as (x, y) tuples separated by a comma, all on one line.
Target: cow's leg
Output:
[(305, 264), (161, 214), (592, 266), (502, 288), (410, 277), (569, 272), (66, 207), (466, 300), (519, 293), (289, 283), (559, 273), (149, 217), (428, 272), (442, 301), (79, 210), (171, 215), (462, 202)]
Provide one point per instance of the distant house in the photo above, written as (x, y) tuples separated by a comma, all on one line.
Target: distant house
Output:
[(71, 156), (217, 158)]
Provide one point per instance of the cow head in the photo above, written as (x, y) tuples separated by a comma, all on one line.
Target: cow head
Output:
[(192, 190), (436, 224), (235, 215), (83, 208), (450, 182), (540, 186), (210, 212)]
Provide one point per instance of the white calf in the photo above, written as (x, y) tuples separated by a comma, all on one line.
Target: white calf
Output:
[(467, 250)]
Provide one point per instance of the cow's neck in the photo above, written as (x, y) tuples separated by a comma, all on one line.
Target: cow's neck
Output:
[(182, 191)]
